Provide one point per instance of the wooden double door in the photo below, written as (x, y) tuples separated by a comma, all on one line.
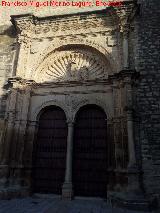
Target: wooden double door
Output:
[(89, 153), (49, 152)]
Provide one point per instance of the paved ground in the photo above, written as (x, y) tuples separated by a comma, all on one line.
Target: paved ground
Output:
[(56, 205)]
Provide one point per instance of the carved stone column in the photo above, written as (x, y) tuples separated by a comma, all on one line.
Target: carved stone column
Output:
[(133, 172), (10, 125), (67, 189), (2, 130), (132, 196), (16, 119), (111, 161), (126, 14), (32, 126), (131, 145), (24, 27), (17, 145), (116, 120), (4, 167), (125, 31), (23, 120), (134, 193)]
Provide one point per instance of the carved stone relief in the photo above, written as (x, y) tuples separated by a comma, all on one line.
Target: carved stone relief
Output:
[(74, 24), (70, 104), (52, 46), (72, 65), (38, 38)]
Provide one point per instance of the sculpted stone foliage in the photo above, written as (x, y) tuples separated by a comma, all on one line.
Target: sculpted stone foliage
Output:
[(72, 65)]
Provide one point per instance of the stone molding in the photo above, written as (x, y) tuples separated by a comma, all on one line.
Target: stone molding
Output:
[(70, 106), (62, 25)]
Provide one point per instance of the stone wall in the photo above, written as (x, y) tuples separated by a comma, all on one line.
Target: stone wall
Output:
[(147, 62)]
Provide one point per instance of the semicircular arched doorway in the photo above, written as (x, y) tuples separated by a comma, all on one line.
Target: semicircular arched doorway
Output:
[(90, 152), (49, 151)]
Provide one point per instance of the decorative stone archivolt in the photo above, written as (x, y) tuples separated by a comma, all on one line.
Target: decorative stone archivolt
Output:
[(70, 106), (94, 101), (84, 43), (35, 114), (72, 65)]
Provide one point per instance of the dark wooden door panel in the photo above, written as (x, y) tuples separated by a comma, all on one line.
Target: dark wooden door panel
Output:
[(49, 153), (90, 152)]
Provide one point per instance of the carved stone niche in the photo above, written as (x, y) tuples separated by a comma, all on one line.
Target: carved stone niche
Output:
[(73, 64)]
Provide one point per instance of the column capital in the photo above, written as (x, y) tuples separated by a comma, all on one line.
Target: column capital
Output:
[(126, 13), (130, 111), (10, 116), (125, 29), (32, 124), (20, 83), (70, 123), (115, 84), (109, 121)]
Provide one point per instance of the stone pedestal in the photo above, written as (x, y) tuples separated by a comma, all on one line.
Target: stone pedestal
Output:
[(3, 175), (133, 196), (67, 191), (9, 190)]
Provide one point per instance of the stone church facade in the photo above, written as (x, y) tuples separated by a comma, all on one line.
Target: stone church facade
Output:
[(79, 105)]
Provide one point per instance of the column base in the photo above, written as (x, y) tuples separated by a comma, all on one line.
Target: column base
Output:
[(14, 192), (129, 200), (67, 191), (133, 198), (3, 175)]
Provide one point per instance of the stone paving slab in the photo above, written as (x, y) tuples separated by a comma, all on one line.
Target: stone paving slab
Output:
[(56, 205)]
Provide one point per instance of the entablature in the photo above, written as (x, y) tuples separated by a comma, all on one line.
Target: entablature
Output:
[(81, 23)]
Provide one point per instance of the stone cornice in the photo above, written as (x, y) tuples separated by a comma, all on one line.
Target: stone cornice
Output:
[(124, 75), (17, 82), (109, 19), (72, 83), (53, 26), (127, 76), (23, 22)]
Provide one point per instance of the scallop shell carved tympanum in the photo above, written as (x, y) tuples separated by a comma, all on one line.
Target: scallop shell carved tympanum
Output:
[(71, 65)]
